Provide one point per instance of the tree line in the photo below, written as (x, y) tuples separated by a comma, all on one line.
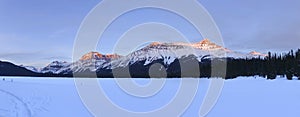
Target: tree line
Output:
[(274, 64)]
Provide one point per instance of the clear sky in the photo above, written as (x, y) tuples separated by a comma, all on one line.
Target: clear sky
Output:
[(36, 32)]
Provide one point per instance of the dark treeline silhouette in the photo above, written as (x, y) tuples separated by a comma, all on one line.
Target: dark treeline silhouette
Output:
[(274, 64)]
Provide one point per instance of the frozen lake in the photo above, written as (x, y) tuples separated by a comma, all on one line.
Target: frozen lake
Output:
[(244, 96)]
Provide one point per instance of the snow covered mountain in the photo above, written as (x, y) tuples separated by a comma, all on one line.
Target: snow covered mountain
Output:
[(54, 67), (168, 52), (171, 51), (92, 61)]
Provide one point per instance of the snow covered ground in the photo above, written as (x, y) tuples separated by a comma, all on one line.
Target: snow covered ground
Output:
[(241, 97)]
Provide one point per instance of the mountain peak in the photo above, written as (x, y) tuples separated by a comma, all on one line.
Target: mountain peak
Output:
[(258, 54), (57, 63), (91, 55), (155, 43), (205, 41), (206, 44), (96, 55)]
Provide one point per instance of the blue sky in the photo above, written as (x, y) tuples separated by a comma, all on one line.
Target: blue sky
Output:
[(36, 32)]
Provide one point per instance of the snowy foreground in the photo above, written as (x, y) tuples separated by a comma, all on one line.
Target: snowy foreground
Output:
[(241, 97)]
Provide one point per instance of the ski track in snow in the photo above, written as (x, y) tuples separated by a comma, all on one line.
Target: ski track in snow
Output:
[(12, 105), (19, 108)]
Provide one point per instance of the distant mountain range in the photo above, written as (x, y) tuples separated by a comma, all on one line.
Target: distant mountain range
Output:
[(164, 53)]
